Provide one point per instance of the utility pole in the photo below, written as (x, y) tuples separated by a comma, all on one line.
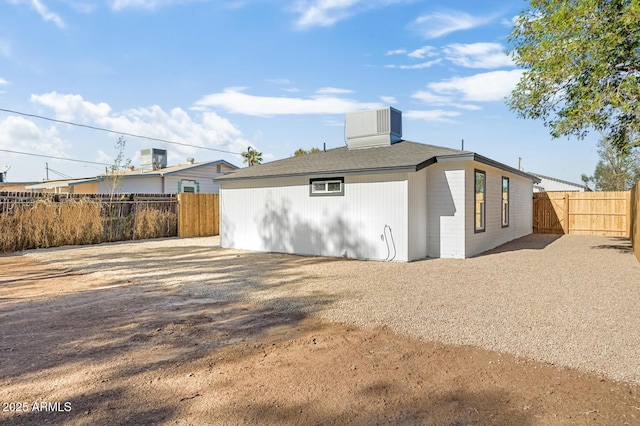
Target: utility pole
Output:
[(463, 144), (46, 167)]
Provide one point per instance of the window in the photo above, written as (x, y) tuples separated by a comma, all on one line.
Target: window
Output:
[(188, 186), (480, 195), (219, 168), (505, 202), (327, 186)]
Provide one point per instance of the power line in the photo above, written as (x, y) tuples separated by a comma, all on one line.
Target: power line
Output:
[(54, 157), (102, 129)]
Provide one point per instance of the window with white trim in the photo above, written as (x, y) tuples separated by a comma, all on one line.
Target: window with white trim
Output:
[(326, 186), (189, 186)]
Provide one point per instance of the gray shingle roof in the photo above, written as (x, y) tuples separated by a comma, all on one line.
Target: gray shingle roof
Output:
[(403, 156)]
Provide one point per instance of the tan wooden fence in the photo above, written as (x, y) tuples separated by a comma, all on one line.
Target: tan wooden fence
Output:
[(582, 213), (198, 215), (634, 219)]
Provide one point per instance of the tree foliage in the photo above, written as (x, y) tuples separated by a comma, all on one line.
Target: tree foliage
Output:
[(581, 61), (617, 170), (251, 157), (301, 151), (114, 173)]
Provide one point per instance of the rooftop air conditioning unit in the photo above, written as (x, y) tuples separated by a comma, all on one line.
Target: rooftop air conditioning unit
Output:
[(153, 159), (373, 128)]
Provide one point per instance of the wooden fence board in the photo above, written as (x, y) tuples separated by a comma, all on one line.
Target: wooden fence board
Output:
[(198, 215), (582, 213)]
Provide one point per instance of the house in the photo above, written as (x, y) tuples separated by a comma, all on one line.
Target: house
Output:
[(151, 178), (548, 184), (380, 197)]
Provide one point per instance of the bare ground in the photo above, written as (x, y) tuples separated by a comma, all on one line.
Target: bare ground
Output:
[(141, 348)]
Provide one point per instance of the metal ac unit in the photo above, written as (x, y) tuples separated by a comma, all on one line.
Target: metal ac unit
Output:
[(372, 128), (153, 159)]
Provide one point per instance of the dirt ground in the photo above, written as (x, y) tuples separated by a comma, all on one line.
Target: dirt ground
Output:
[(80, 350)]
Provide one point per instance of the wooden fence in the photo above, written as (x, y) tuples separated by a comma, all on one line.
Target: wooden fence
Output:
[(582, 213), (634, 219), (198, 215)]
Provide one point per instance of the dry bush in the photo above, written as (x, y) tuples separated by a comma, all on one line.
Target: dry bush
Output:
[(151, 223), (46, 223)]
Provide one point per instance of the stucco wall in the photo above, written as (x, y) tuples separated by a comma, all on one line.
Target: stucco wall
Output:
[(368, 222)]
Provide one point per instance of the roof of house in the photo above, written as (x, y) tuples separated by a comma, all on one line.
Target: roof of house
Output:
[(403, 156), (579, 185), (167, 171)]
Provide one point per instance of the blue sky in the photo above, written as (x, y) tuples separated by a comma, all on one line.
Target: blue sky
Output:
[(274, 75)]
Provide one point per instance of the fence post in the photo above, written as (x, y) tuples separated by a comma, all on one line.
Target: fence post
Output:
[(565, 225)]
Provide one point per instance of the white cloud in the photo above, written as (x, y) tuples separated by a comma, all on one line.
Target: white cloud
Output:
[(235, 101), (436, 115), (325, 13), (3, 82), (20, 134), (281, 81), (140, 4), (425, 51), (478, 55), (206, 129), (484, 87), (103, 157), (438, 24), (419, 66), (396, 52), (390, 100), (333, 91), (46, 15), (442, 100), (70, 107)]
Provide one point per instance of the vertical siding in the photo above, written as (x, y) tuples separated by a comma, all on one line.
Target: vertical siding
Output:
[(520, 209), (418, 226), (368, 222), (446, 209)]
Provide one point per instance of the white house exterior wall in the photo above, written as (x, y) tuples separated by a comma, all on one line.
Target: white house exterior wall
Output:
[(520, 209), (549, 185), (370, 221), (446, 209), (418, 226), (137, 185), (203, 175)]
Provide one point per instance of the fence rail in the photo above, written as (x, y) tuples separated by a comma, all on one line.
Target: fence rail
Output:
[(582, 213)]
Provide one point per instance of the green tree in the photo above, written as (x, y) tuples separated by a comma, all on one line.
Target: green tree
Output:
[(252, 157), (581, 61), (301, 151), (617, 170)]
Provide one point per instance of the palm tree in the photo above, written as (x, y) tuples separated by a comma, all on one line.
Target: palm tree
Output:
[(252, 157)]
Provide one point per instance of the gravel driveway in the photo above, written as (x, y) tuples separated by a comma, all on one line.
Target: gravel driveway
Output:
[(570, 301)]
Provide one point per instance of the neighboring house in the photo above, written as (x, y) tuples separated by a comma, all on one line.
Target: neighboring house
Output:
[(548, 184), (15, 186), (190, 177), (379, 197)]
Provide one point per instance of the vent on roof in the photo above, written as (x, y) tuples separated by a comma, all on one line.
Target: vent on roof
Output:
[(378, 127), (153, 159)]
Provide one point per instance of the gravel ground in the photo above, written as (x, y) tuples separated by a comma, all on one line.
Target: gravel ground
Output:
[(572, 301)]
